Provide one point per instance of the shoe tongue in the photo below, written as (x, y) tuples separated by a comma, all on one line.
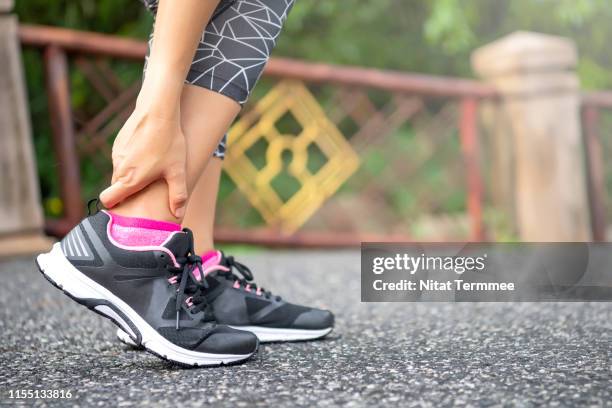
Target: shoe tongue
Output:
[(179, 244)]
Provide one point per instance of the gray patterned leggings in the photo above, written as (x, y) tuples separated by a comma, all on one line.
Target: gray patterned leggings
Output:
[(234, 47)]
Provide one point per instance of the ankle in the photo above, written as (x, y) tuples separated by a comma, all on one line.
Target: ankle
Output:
[(151, 202), (203, 247)]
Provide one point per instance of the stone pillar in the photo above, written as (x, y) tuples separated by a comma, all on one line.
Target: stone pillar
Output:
[(21, 216), (540, 96)]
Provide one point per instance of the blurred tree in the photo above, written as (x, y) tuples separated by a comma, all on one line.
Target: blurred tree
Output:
[(437, 36), (122, 17), (430, 36), (434, 36)]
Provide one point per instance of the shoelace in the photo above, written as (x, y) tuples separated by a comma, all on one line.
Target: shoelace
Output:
[(183, 275), (247, 276)]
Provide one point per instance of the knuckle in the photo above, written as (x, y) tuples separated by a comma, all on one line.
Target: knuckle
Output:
[(179, 197), (128, 178)]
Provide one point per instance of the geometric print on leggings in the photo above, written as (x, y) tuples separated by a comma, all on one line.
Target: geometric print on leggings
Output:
[(236, 45)]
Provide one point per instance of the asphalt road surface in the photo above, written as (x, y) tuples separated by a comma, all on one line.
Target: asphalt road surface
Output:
[(387, 354)]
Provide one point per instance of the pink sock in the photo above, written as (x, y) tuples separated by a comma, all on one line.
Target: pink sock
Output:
[(132, 231), (211, 257)]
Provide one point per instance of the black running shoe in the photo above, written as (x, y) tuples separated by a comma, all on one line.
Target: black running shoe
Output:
[(240, 303), (154, 294)]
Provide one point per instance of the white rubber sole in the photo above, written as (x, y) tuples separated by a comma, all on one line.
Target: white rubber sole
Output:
[(61, 273), (126, 339), (264, 334), (269, 334)]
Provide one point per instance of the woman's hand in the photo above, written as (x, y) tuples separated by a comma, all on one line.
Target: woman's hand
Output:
[(149, 147)]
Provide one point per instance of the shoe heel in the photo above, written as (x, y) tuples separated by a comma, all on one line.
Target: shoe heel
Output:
[(63, 275)]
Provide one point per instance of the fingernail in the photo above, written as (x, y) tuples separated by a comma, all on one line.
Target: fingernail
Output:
[(103, 198)]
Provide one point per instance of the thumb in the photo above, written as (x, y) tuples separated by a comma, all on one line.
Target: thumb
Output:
[(121, 189), (177, 193)]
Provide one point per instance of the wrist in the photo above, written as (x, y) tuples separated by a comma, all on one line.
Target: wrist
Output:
[(160, 94), (152, 106)]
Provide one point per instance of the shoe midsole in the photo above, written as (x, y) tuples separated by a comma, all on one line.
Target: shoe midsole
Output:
[(280, 334), (264, 334), (56, 267)]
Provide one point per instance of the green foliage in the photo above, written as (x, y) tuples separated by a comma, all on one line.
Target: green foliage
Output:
[(432, 36), (382, 34), (437, 36), (123, 17), (449, 27), (429, 36)]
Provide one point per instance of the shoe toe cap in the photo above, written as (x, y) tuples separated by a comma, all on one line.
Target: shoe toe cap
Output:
[(314, 319), (225, 340)]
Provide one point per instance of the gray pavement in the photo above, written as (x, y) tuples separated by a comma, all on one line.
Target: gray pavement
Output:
[(399, 354)]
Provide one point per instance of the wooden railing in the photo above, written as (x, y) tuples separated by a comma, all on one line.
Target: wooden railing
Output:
[(593, 104), (58, 45)]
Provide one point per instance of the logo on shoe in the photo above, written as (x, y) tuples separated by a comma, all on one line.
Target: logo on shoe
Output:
[(75, 247)]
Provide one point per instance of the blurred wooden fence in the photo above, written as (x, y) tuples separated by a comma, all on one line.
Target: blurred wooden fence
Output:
[(597, 131), (393, 149), (363, 108)]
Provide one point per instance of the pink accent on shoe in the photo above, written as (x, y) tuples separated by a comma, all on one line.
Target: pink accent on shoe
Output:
[(210, 263), (196, 273), (236, 285), (145, 247), (248, 288), (210, 269), (189, 301)]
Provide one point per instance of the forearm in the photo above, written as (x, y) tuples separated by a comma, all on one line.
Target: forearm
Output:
[(151, 145), (178, 28)]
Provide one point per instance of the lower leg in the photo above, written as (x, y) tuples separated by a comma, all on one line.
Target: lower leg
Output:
[(205, 117), (200, 214)]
